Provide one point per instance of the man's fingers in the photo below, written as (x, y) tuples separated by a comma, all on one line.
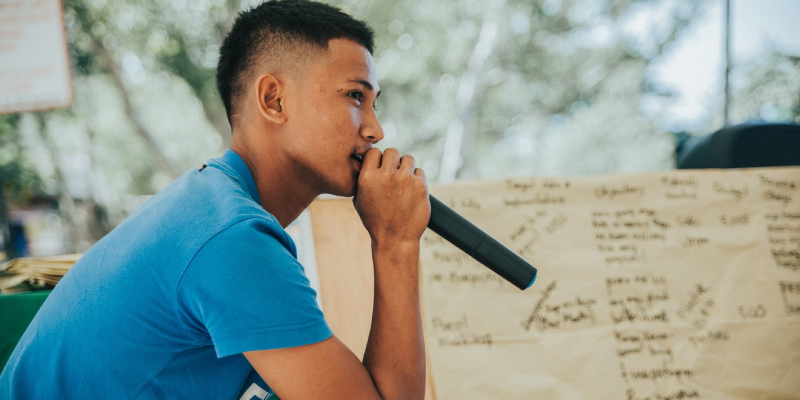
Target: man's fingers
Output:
[(372, 159), (391, 159), (407, 163), (419, 173)]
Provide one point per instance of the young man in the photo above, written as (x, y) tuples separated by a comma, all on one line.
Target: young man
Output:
[(198, 294)]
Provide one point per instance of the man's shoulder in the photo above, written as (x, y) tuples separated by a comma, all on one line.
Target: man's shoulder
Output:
[(253, 240), (213, 190), (190, 213), (201, 203)]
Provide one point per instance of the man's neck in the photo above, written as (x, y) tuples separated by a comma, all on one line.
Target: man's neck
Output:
[(281, 192)]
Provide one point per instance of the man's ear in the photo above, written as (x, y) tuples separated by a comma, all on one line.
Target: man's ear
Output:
[(269, 90)]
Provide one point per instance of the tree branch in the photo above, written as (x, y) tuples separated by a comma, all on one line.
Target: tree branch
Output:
[(136, 122)]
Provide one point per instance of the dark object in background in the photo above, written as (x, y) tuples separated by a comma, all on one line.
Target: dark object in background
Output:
[(742, 146)]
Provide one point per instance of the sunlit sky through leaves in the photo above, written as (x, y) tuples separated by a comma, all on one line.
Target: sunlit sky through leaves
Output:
[(693, 67)]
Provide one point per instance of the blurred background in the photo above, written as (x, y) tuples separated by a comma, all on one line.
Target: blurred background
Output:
[(472, 88)]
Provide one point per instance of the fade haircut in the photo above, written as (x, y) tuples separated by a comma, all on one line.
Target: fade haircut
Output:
[(278, 32)]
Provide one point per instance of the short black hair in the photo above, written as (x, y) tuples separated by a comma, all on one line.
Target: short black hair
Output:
[(269, 28)]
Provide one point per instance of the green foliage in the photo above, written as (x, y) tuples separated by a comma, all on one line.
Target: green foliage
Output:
[(771, 91), (488, 88), (18, 177)]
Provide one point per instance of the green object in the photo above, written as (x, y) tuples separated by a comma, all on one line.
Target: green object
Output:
[(16, 313)]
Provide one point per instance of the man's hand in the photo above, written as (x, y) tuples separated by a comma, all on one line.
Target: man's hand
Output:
[(392, 201), (392, 198)]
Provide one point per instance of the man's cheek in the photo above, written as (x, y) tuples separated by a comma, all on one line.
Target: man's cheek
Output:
[(355, 115)]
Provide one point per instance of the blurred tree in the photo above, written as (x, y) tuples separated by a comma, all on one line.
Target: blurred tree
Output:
[(90, 51), (503, 87), (472, 88), (769, 91), (18, 177)]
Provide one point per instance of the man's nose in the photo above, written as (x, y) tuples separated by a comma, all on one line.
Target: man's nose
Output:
[(371, 129)]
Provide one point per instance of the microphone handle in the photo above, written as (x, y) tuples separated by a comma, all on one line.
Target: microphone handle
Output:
[(454, 228)]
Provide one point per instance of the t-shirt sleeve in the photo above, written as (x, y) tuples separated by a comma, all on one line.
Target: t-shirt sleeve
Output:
[(245, 291)]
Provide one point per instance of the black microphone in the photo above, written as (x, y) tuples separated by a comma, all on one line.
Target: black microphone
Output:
[(454, 228)]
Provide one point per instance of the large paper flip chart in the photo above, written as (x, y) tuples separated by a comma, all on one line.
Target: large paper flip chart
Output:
[(673, 285)]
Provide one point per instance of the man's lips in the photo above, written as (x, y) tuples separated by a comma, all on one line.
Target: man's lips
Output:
[(359, 160)]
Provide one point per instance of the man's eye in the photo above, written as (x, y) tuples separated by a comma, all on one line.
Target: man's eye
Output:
[(356, 95)]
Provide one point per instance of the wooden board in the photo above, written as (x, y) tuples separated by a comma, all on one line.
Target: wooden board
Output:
[(344, 266)]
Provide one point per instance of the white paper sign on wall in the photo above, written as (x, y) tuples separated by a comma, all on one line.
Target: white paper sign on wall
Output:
[(34, 65)]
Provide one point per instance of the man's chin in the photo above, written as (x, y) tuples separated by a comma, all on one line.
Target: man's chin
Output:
[(346, 190), (352, 190)]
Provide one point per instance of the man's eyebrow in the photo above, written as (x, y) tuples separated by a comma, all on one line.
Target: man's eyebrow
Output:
[(366, 84)]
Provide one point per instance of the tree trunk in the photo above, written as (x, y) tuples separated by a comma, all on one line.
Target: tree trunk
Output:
[(134, 119), (461, 130), (66, 204)]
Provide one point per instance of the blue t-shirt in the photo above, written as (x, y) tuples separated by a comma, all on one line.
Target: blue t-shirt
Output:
[(164, 306)]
